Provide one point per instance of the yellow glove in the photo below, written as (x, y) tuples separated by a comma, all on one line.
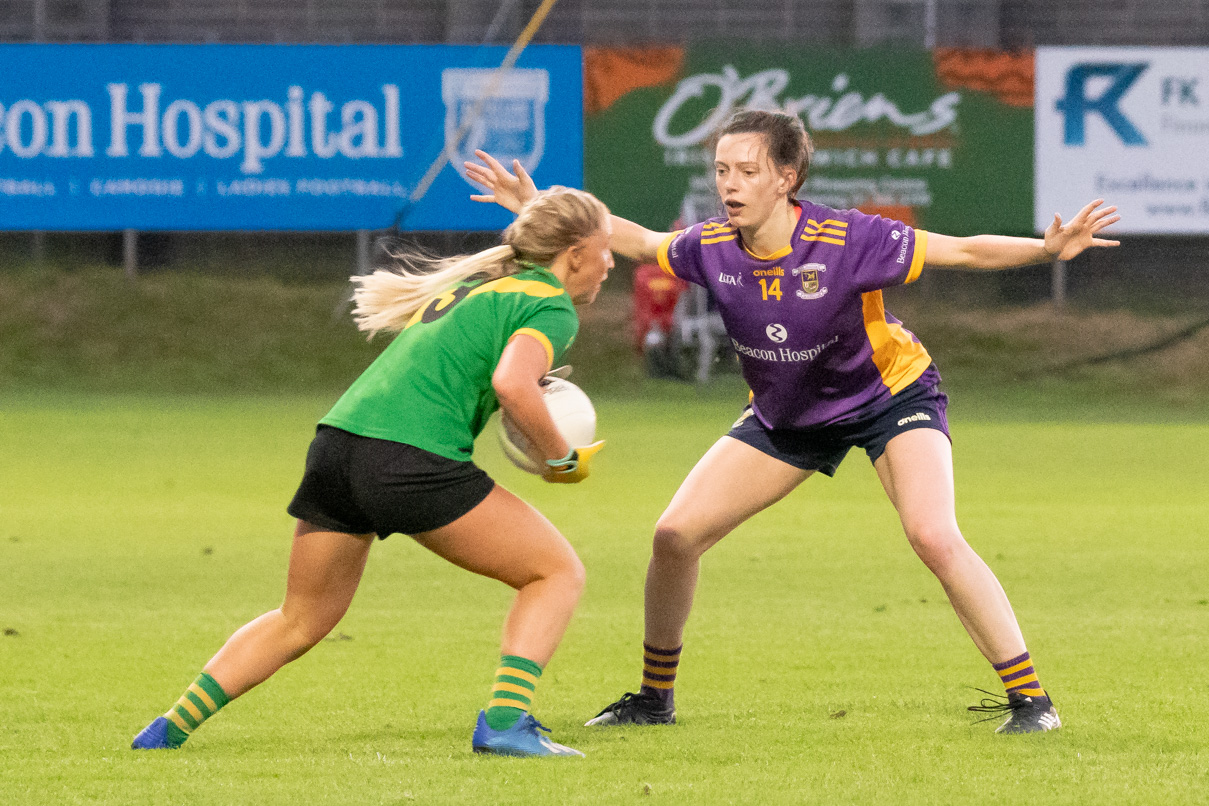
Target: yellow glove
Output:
[(573, 468)]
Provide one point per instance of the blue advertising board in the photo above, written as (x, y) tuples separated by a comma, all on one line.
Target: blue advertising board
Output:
[(274, 137)]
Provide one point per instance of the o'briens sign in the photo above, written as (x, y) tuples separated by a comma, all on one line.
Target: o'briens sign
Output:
[(902, 132), (842, 108), (245, 131)]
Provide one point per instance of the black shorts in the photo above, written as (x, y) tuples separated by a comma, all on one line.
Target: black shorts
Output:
[(823, 448), (361, 485)]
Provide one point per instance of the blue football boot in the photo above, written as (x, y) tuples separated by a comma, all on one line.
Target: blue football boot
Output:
[(525, 738), (157, 736)]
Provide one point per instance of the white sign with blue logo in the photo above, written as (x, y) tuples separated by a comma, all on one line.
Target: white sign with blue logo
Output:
[(1130, 125), (264, 137)]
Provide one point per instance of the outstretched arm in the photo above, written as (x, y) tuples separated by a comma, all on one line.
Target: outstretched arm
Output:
[(511, 190), (992, 252)]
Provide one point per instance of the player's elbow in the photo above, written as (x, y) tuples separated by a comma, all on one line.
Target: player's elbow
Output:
[(512, 387)]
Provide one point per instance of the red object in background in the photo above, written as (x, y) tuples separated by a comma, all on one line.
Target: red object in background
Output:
[(655, 295)]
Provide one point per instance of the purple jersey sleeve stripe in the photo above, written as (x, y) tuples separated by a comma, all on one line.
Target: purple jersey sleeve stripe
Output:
[(661, 254), (823, 238), (917, 259)]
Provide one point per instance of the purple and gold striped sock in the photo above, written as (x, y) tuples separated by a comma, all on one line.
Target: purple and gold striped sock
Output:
[(1019, 677), (659, 671)]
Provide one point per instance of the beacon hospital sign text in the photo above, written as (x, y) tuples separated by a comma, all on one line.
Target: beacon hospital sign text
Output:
[(1130, 125), (272, 137)]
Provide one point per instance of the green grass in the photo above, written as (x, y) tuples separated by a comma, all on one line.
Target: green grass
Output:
[(136, 532)]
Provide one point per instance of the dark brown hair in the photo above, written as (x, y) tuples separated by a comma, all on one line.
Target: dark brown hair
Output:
[(789, 144)]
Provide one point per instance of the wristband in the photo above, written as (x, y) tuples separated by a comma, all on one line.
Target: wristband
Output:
[(567, 464)]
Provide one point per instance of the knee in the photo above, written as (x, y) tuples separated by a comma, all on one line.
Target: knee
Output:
[(937, 544), (674, 543), (567, 574), (574, 577), (303, 631)]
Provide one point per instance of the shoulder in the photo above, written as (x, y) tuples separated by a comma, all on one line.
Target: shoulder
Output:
[(855, 225), (695, 233), (822, 211), (528, 284), (826, 224), (713, 230)]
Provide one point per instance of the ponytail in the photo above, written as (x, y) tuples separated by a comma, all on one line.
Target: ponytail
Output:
[(387, 299), (549, 224)]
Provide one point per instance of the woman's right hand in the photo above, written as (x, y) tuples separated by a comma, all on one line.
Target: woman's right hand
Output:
[(508, 190)]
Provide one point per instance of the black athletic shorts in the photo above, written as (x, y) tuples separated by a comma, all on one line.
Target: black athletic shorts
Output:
[(361, 485), (823, 448)]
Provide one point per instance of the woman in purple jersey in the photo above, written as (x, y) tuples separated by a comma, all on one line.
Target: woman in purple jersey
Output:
[(799, 287)]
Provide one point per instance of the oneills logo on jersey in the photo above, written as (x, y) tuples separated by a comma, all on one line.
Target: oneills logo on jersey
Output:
[(506, 117), (812, 287)]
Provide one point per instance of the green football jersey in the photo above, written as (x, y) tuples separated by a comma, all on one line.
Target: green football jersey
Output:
[(431, 387)]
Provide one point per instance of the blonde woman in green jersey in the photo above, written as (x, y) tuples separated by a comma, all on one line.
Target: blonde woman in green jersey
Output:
[(476, 333)]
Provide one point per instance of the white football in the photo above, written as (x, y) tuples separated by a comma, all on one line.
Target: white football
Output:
[(571, 411)]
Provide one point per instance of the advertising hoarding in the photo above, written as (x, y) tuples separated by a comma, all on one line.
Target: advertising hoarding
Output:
[(273, 137), (1129, 125), (942, 140)]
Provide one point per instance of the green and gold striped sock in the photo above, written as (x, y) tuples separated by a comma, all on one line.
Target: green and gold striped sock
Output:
[(512, 694), (200, 701)]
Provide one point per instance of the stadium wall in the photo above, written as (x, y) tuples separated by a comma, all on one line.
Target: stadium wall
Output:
[(1168, 269), (970, 23)]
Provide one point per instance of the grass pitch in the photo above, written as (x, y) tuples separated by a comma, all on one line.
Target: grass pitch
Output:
[(822, 663)]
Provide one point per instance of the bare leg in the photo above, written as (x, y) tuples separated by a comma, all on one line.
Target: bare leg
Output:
[(506, 539), (917, 473), (716, 497), (325, 569)]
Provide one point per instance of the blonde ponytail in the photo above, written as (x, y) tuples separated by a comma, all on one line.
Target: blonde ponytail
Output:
[(387, 299), (550, 223)]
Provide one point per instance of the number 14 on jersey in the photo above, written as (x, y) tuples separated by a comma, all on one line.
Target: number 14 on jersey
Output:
[(770, 289)]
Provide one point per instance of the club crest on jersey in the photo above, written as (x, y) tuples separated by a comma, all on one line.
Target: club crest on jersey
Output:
[(812, 287)]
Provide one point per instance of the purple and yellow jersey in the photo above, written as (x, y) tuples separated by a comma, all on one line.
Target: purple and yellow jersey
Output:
[(814, 339)]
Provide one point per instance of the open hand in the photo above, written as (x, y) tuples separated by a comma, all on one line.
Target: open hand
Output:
[(1066, 241), (508, 190)]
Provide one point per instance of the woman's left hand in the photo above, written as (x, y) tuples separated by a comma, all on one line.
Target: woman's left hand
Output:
[(508, 190), (1066, 241)]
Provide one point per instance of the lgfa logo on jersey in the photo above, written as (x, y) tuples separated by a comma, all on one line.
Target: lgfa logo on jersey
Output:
[(811, 285)]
